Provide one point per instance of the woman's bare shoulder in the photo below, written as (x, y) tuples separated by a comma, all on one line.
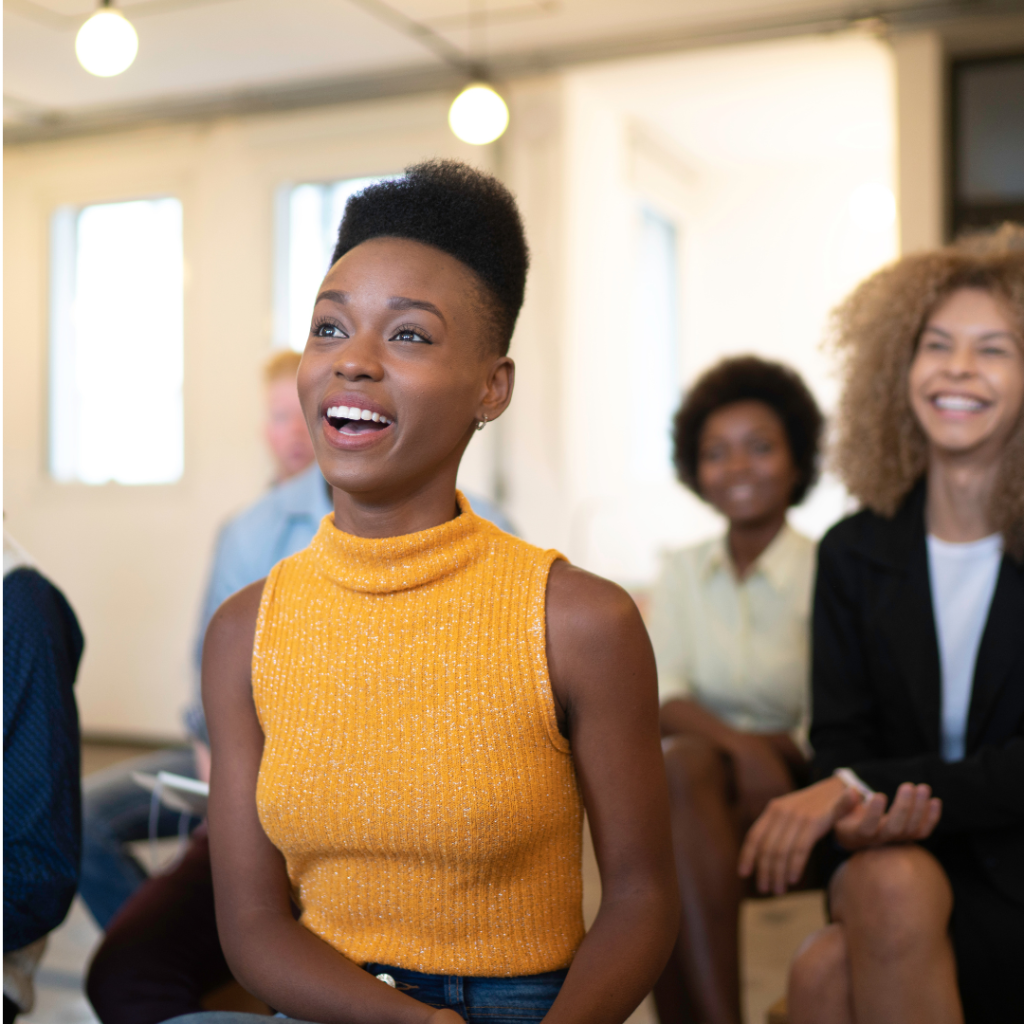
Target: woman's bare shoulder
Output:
[(586, 602), (239, 612), (590, 622), (232, 631)]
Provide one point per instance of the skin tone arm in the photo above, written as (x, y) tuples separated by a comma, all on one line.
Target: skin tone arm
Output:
[(287, 965), (604, 679)]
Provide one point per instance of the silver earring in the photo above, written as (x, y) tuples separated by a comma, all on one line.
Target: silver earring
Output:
[(481, 423)]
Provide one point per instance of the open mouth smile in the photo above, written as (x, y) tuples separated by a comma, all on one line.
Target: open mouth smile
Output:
[(962, 404), (354, 427), (354, 421)]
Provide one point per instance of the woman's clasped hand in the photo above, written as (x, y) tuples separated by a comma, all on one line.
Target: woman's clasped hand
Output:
[(780, 841)]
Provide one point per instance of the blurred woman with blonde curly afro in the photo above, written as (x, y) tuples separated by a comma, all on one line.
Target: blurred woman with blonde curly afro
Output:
[(918, 658)]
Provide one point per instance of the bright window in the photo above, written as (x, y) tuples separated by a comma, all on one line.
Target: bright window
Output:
[(116, 343), (655, 364), (308, 219)]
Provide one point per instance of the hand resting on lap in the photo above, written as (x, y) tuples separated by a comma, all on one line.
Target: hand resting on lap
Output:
[(912, 817), (780, 841)]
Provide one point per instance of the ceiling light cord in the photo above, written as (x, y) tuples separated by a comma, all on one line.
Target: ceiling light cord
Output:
[(478, 115)]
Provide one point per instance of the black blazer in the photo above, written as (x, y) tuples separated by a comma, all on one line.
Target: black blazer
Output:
[(877, 688)]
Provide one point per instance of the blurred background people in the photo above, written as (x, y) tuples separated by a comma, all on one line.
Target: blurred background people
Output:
[(42, 802), (918, 667), (729, 623), (285, 429)]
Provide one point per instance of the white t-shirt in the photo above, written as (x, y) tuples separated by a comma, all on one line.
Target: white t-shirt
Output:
[(963, 580)]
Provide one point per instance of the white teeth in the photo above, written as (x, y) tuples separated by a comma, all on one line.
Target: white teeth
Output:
[(958, 403), (346, 412)]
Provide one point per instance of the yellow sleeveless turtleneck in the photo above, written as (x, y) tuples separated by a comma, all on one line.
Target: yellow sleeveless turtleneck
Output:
[(413, 774)]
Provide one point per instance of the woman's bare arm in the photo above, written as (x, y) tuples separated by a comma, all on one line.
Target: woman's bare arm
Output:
[(605, 681), (269, 952)]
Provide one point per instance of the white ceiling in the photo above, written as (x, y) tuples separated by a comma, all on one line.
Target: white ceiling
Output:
[(783, 102), (195, 51)]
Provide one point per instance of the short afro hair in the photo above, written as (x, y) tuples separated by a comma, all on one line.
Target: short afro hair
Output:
[(750, 379), (459, 210)]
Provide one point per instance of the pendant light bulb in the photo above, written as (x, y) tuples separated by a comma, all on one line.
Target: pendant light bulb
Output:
[(106, 44), (478, 115)]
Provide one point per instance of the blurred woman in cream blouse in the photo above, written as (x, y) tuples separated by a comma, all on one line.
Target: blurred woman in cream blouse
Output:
[(729, 624), (738, 647)]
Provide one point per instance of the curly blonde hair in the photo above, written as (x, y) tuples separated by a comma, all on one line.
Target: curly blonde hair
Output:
[(880, 450)]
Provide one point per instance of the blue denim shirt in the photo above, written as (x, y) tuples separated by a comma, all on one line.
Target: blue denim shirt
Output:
[(281, 523)]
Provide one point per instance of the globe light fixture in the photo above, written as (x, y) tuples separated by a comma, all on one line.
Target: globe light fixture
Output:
[(478, 115), (106, 44)]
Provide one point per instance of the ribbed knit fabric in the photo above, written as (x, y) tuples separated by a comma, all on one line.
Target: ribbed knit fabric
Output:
[(413, 774)]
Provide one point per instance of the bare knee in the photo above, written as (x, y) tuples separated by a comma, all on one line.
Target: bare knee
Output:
[(693, 765), (819, 977), (895, 897)]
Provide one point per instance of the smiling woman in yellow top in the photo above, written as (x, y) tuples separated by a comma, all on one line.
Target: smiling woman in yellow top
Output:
[(409, 717)]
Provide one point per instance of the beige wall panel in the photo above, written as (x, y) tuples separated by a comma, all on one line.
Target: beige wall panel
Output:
[(920, 101), (532, 433)]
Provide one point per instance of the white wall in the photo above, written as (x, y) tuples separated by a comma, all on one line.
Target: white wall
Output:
[(132, 561), (755, 151)]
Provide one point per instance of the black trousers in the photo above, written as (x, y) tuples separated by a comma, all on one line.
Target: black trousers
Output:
[(161, 953), (987, 929)]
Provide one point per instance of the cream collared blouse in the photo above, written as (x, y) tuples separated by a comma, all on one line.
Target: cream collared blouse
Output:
[(739, 648)]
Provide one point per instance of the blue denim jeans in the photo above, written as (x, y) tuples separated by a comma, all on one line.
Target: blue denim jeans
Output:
[(115, 811), (522, 1000)]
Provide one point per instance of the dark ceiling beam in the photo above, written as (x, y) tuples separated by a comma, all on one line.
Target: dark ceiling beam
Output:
[(451, 77)]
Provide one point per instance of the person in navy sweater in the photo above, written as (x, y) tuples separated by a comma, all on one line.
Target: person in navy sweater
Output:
[(42, 806)]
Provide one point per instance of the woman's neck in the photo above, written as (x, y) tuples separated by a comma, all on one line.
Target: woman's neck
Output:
[(397, 513), (959, 497), (747, 541)]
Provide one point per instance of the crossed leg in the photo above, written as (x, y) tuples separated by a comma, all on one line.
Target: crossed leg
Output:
[(887, 957)]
